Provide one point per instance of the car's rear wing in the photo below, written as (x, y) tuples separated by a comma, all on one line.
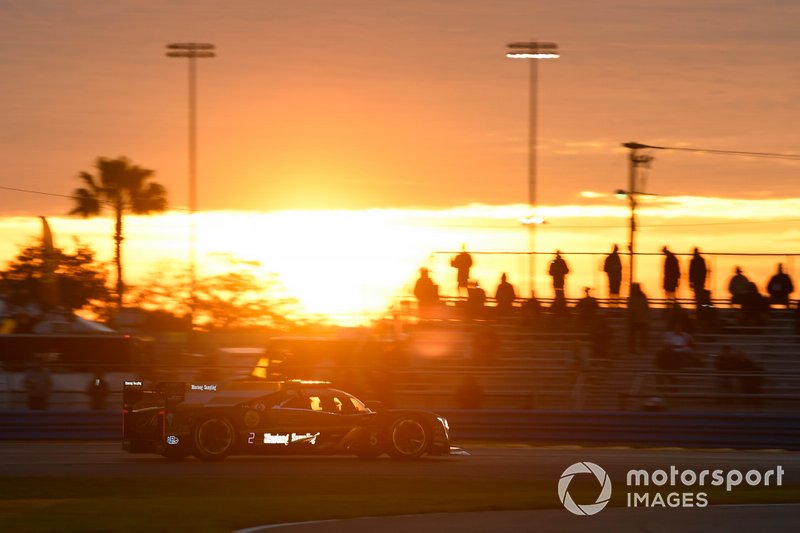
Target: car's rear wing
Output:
[(166, 394)]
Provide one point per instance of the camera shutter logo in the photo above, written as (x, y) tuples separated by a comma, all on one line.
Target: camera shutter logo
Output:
[(584, 468)]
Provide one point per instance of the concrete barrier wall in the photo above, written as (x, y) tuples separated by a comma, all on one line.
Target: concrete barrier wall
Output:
[(707, 430), (589, 428)]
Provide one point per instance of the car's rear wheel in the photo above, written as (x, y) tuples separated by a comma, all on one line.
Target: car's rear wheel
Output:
[(214, 438), (408, 438)]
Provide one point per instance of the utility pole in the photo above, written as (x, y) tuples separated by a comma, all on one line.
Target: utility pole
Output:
[(637, 160), (192, 52)]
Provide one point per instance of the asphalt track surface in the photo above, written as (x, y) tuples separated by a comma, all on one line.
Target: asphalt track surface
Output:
[(490, 462), (719, 519)]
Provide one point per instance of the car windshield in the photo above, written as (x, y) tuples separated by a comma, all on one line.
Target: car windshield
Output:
[(325, 400), (358, 405)]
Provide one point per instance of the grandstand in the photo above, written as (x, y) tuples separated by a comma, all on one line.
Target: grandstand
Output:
[(545, 366)]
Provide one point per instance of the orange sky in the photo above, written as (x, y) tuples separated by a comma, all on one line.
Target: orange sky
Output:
[(381, 103), (386, 115), (352, 263)]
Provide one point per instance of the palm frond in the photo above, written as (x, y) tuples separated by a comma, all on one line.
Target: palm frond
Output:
[(150, 199), (87, 203)]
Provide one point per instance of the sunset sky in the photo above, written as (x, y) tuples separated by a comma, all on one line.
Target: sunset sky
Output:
[(411, 108)]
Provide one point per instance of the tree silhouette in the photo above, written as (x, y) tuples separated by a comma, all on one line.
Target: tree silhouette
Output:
[(229, 300), (81, 279), (122, 187)]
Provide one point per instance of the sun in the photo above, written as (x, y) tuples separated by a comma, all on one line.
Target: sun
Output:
[(346, 265)]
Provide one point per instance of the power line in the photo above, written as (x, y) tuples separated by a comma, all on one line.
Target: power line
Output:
[(767, 155), (656, 226), (42, 193), (29, 191), (498, 226)]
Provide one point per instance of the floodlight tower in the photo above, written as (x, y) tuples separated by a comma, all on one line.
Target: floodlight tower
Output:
[(534, 51), (192, 51)]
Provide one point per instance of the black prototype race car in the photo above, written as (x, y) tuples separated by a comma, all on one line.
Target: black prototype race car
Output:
[(212, 421)]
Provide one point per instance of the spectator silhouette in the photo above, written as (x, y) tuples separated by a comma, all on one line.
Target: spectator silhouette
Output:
[(505, 297), (706, 314), (698, 272), (738, 287), (469, 393), (612, 266), (426, 292), (638, 319), (672, 274), (729, 363), (678, 341), (779, 287), (97, 391), (559, 312), (558, 271), (476, 300), (531, 311), (462, 263), (676, 354), (678, 316), (755, 307), (586, 310)]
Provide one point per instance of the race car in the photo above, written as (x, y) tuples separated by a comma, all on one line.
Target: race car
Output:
[(212, 421)]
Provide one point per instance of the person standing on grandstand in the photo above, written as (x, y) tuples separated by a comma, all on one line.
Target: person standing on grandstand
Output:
[(755, 307), (462, 263), (586, 310), (780, 286), (738, 287), (505, 297), (672, 274), (531, 311), (426, 292), (638, 310), (476, 300), (698, 272), (558, 271), (612, 266)]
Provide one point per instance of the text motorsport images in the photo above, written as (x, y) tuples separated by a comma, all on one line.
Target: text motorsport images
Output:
[(639, 483)]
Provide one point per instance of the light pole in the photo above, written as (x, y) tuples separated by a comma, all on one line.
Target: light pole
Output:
[(637, 160), (534, 51), (192, 51)]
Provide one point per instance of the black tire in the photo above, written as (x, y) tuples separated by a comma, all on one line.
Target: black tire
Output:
[(408, 438), (214, 438)]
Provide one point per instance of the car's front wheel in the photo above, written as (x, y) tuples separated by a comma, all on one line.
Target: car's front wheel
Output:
[(408, 438), (214, 438)]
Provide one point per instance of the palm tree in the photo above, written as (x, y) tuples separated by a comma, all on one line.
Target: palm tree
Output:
[(122, 187)]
